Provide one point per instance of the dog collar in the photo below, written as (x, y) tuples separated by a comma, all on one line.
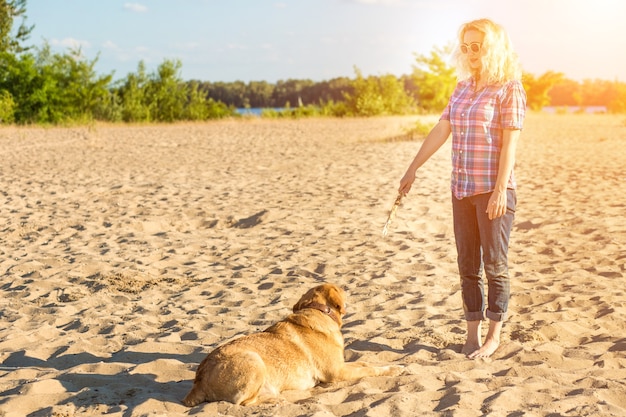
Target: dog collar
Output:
[(324, 309)]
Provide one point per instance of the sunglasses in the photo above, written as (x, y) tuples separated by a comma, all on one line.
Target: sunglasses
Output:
[(472, 46)]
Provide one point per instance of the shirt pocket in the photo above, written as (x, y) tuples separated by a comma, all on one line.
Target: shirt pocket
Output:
[(489, 123), (488, 112)]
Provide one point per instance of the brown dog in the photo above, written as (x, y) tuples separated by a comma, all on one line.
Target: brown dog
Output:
[(296, 353)]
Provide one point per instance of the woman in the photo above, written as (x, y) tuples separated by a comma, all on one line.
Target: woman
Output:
[(485, 115)]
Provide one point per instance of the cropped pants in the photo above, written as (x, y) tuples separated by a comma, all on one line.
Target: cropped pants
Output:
[(483, 245)]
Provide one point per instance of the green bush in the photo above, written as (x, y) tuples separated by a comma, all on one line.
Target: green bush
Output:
[(375, 96), (7, 107), (421, 128)]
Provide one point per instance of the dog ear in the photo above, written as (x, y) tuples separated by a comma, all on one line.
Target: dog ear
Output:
[(337, 299), (306, 298)]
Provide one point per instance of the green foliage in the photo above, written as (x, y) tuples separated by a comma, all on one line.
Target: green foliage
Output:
[(332, 108), (293, 112), (219, 110), (39, 86), (164, 97), (271, 113), (564, 93), (434, 79), (133, 100), (261, 94), (609, 94), (421, 128), (366, 100), (83, 91), (166, 92), (109, 109), (52, 88), (374, 96), (197, 107), (9, 11), (617, 103), (538, 88), (34, 91), (7, 107)]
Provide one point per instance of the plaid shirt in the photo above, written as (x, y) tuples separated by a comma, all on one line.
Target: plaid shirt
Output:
[(477, 121)]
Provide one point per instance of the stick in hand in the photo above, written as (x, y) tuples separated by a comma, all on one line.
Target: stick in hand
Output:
[(392, 214)]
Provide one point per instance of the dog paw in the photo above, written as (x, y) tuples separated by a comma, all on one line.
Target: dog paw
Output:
[(393, 370)]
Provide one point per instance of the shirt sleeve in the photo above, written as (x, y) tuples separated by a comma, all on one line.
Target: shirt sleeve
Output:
[(513, 106), (446, 113), (457, 90)]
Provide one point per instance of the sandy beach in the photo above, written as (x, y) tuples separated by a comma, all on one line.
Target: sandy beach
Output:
[(127, 253)]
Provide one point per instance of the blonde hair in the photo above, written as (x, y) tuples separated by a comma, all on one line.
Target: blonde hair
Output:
[(500, 63)]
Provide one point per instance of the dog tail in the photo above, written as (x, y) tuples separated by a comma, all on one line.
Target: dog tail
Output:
[(198, 393), (195, 396)]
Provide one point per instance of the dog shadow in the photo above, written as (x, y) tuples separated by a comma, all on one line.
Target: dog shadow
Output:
[(121, 392), (124, 391)]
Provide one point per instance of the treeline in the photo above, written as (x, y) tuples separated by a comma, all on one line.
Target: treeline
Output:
[(284, 93), (611, 94), (44, 87), (47, 88), (38, 86), (553, 89), (559, 93)]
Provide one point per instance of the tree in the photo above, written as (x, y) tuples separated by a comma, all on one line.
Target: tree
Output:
[(51, 88), (290, 93), (373, 96), (538, 88), (196, 107), (366, 100), (31, 83), (166, 92), (218, 110), (566, 93), (83, 91), (7, 107), (395, 98), (233, 93), (132, 96), (9, 11), (327, 91), (259, 94), (618, 103), (434, 79)]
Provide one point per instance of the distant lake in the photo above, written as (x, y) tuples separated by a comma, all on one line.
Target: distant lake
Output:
[(575, 109), (256, 111)]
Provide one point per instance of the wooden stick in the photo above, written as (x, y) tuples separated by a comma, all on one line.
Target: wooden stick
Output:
[(392, 214)]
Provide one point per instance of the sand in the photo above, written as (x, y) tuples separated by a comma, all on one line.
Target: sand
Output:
[(128, 253)]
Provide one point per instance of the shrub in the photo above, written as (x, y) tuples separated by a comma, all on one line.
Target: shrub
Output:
[(7, 107)]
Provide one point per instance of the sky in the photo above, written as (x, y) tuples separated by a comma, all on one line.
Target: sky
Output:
[(271, 40)]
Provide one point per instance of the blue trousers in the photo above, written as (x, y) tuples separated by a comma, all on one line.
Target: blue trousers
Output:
[(483, 245)]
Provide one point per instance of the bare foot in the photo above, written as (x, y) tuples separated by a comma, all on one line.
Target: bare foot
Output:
[(486, 350), (472, 343), (469, 348)]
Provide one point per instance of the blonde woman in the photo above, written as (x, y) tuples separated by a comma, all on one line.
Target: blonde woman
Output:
[(484, 117)]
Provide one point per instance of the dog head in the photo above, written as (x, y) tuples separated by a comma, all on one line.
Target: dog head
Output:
[(328, 295)]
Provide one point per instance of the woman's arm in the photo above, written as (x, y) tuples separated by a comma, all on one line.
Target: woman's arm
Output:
[(497, 202)]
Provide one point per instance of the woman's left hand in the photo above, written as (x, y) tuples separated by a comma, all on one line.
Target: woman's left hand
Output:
[(497, 205)]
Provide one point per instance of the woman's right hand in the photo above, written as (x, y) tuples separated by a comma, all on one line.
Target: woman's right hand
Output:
[(437, 136), (406, 182)]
